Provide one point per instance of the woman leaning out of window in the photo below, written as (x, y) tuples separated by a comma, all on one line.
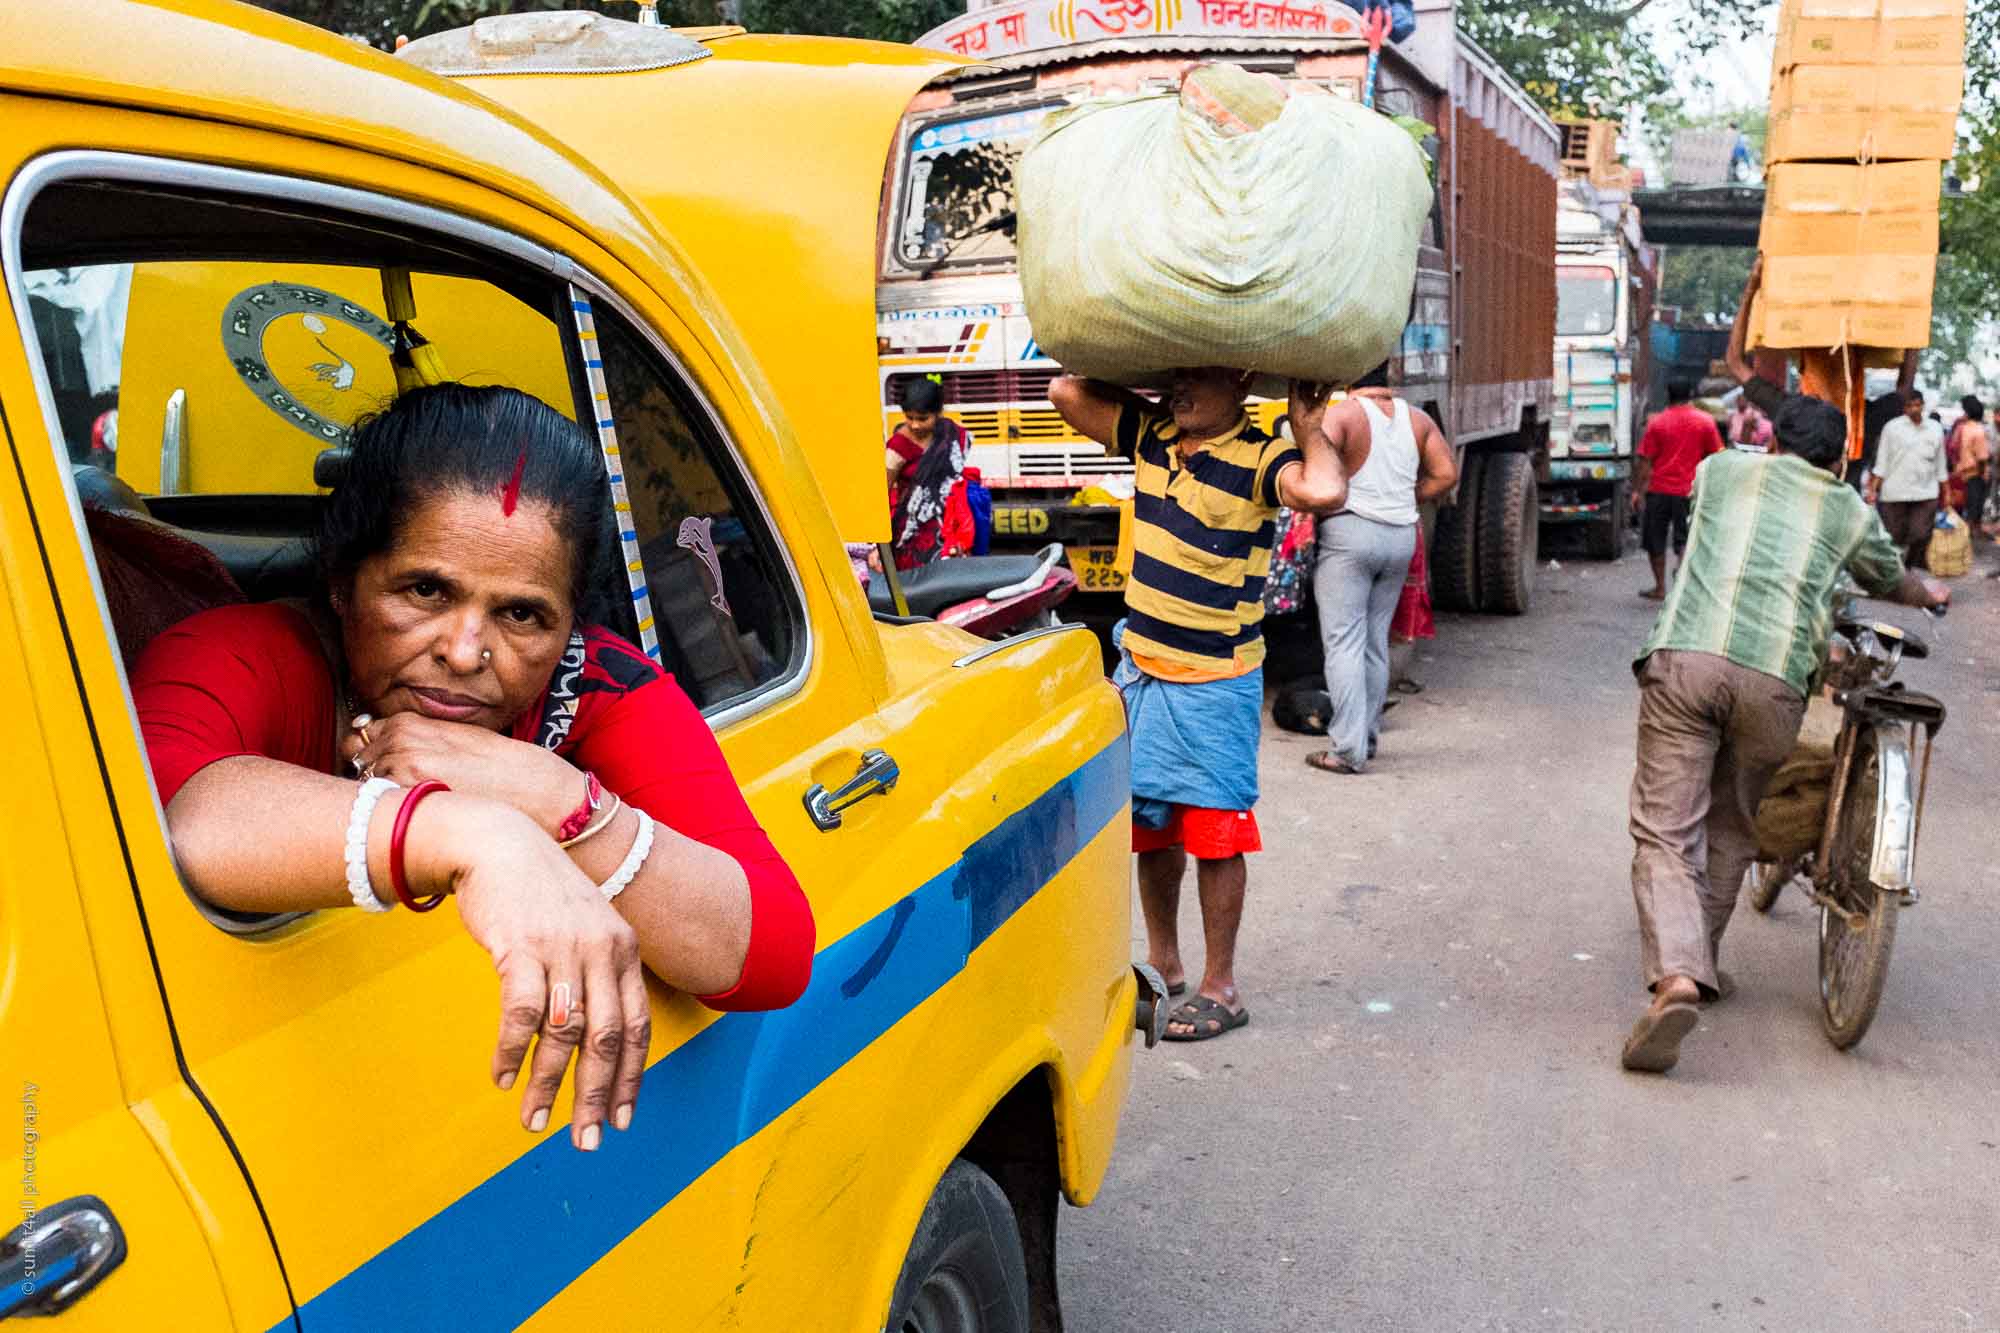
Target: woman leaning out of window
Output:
[(441, 723)]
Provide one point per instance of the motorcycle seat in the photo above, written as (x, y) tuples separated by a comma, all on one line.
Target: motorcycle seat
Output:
[(945, 583)]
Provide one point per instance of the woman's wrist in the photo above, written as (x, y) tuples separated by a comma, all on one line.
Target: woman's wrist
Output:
[(441, 841)]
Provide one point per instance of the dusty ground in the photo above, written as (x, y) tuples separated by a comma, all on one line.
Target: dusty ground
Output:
[(1424, 1125)]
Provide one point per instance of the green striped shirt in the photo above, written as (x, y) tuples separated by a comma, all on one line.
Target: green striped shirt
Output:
[(1768, 538)]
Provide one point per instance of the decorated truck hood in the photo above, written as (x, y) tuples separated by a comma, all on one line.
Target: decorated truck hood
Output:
[(1026, 28)]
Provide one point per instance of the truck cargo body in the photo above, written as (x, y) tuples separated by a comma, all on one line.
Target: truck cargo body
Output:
[(949, 300)]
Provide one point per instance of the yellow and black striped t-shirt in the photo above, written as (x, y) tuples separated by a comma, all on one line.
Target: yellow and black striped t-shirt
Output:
[(1202, 531)]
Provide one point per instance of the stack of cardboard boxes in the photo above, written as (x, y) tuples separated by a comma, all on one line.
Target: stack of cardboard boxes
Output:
[(1864, 112)]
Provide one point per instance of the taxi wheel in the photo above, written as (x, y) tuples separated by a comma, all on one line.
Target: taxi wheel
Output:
[(966, 1271)]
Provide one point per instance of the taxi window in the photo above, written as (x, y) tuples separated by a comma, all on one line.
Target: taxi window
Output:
[(729, 623), (232, 377)]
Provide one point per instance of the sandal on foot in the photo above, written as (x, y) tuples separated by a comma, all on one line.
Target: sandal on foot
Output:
[(1652, 596), (1208, 1018), (1176, 989), (1406, 686), (1326, 761), (1655, 1044)]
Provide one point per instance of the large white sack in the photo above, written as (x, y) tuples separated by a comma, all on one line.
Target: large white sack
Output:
[(1150, 240)]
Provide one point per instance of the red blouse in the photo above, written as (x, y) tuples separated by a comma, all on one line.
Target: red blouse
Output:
[(254, 680)]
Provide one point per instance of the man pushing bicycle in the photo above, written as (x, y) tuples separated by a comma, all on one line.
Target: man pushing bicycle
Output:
[(1724, 678)]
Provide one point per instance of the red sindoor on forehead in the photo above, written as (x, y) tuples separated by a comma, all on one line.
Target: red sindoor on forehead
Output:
[(510, 494)]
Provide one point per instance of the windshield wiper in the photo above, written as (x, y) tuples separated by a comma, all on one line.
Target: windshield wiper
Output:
[(1003, 222)]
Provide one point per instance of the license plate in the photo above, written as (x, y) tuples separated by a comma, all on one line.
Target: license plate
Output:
[(1095, 568)]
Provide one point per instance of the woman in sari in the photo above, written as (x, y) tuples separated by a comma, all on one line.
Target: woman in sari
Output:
[(929, 519)]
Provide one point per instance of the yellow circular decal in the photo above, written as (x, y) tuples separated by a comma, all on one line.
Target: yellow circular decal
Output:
[(312, 356)]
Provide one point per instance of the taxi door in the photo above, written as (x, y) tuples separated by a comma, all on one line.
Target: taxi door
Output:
[(347, 1055), (112, 1162)]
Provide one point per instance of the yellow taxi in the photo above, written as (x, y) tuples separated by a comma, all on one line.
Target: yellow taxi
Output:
[(217, 227)]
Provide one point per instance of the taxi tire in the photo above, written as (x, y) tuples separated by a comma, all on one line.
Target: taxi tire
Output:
[(966, 1271)]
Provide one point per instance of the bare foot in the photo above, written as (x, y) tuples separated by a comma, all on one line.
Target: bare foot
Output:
[(1653, 594)]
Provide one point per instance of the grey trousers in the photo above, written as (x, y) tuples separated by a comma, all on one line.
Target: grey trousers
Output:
[(1357, 581), (1711, 734)]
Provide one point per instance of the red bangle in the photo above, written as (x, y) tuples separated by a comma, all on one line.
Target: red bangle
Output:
[(397, 880), (579, 818)]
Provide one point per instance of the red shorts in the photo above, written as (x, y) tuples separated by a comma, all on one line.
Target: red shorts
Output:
[(1208, 835)]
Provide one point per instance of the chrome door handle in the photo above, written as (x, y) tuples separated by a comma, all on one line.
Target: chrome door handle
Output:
[(876, 777), (49, 1261)]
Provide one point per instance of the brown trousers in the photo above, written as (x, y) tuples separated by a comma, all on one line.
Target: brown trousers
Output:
[(1711, 734), (1908, 523)]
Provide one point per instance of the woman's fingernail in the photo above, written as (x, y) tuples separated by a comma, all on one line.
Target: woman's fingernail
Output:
[(507, 1080), (591, 1133), (622, 1117), (539, 1121)]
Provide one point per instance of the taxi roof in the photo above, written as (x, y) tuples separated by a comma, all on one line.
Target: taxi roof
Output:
[(766, 164), (241, 65)]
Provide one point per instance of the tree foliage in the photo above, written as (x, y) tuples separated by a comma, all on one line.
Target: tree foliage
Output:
[(1963, 339), (1591, 58)]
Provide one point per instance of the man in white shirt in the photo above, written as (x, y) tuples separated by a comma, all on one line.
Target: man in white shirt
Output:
[(1910, 478)]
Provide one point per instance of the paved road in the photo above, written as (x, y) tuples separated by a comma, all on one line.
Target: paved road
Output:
[(1424, 1126)]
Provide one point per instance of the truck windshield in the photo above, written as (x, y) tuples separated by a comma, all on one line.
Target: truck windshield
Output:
[(958, 188), (1586, 300)]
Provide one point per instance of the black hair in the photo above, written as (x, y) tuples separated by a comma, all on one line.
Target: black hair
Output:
[(1377, 378), (1812, 428), (1972, 407), (1912, 395), (460, 438), (1679, 391), (922, 394)]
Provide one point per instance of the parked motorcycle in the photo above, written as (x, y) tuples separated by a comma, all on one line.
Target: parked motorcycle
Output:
[(993, 596)]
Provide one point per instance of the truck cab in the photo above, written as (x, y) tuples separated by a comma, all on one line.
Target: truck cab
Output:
[(949, 301)]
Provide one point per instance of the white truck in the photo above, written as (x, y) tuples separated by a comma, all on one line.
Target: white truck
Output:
[(1604, 299)]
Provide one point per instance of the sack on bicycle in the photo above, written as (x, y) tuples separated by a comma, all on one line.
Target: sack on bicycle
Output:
[(1794, 807)]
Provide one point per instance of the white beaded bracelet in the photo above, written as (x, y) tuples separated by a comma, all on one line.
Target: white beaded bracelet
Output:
[(642, 847), (359, 886)]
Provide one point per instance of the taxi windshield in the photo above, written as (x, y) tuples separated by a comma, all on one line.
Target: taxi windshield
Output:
[(958, 196)]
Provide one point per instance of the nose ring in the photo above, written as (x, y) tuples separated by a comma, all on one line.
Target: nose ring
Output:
[(486, 655)]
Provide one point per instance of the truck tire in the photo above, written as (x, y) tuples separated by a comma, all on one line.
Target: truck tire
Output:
[(966, 1271), (1454, 566), (1510, 520), (1607, 535)]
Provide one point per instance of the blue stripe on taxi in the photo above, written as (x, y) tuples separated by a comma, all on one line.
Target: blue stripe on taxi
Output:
[(506, 1249)]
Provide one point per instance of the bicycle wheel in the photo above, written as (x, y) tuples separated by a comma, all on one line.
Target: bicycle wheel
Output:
[(1766, 879), (1854, 959)]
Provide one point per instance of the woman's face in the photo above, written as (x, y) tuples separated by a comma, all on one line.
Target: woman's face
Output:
[(462, 619), (919, 424)]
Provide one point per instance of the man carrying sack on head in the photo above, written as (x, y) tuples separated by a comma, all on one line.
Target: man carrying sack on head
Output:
[(1209, 484)]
